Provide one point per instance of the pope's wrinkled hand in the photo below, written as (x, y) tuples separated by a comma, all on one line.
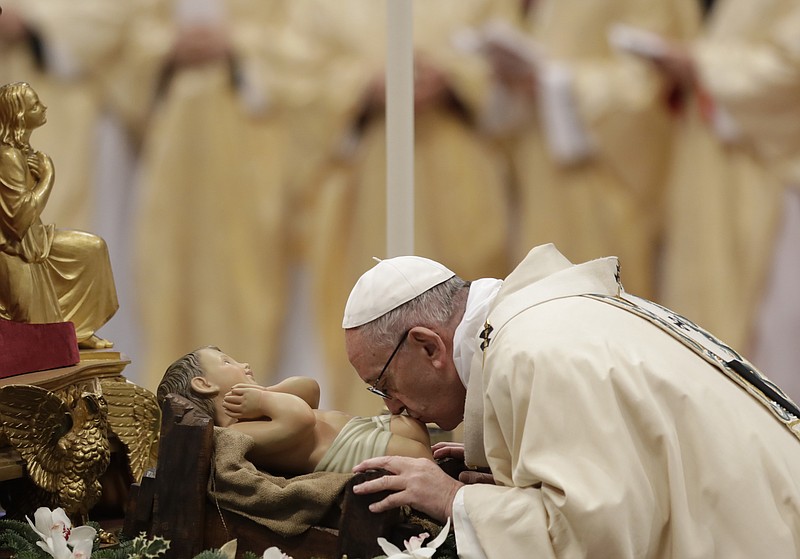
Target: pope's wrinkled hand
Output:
[(412, 483), (448, 449)]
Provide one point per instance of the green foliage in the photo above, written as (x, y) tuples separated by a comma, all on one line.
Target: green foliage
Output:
[(23, 529), (210, 554), (21, 539), (110, 553), (448, 548), (143, 548)]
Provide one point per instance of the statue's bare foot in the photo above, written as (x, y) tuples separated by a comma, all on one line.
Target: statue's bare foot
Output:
[(95, 342)]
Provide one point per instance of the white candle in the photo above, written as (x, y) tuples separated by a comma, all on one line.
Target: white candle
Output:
[(399, 128)]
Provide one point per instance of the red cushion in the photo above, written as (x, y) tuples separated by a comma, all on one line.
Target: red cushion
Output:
[(25, 348)]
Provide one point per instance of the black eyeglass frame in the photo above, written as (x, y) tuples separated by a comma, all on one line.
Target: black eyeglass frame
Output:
[(374, 386)]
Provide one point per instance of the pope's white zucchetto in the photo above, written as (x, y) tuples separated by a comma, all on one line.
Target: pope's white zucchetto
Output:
[(389, 284)]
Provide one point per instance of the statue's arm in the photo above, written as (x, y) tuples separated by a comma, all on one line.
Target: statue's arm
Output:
[(304, 387), (23, 195), (288, 416)]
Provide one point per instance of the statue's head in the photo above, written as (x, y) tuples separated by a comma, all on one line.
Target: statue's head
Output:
[(17, 100), (178, 377)]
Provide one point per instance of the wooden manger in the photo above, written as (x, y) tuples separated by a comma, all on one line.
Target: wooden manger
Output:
[(173, 501)]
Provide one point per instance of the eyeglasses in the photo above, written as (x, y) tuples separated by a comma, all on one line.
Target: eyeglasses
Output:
[(374, 388)]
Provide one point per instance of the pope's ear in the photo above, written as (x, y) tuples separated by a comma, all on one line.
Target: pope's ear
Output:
[(201, 385), (429, 340)]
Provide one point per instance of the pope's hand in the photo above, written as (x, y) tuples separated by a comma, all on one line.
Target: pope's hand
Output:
[(412, 483), (448, 449)]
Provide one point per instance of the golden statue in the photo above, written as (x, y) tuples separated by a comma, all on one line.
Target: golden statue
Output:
[(46, 274)]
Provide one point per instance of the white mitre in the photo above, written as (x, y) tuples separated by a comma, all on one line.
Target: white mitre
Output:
[(389, 284)]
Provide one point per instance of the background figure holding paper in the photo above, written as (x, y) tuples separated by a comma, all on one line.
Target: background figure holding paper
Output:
[(734, 215), (458, 177), (587, 128)]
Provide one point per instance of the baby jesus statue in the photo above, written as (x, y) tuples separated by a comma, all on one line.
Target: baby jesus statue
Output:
[(292, 436)]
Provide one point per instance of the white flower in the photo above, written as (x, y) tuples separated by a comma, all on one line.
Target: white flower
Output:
[(274, 553), (413, 546), (60, 539), (81, 539)]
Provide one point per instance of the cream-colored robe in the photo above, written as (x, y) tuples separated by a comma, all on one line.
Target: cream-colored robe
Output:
[(609, 438), (210, 221), (460, 197), (761, 43), (607, 200), (725, 196), (762, 97), (80, 40)]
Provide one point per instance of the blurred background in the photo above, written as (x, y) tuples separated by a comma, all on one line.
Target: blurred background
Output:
[(232, 155)]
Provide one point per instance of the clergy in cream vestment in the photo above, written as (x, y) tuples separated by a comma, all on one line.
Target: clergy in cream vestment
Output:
[(589, 147), (67, 48), (458, 177), (210, 219), (732, 155)]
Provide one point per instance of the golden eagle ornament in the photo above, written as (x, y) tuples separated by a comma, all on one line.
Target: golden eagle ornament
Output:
[(135, 418), (63, 439)]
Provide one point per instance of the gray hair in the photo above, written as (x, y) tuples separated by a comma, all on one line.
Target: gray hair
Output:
[(178, 380), (433, 308)]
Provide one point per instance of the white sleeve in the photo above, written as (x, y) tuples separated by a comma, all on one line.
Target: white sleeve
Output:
[(466, 539)]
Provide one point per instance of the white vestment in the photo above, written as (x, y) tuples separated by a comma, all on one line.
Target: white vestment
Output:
[(607, 437)]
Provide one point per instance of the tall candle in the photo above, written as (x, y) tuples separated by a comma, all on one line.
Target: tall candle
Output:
[(399, 128)]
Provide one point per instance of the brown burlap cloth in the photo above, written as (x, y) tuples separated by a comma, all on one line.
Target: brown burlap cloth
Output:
[(287, 506)]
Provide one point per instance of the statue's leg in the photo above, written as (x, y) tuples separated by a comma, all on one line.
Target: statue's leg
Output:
[(26, 291), (80, 269)]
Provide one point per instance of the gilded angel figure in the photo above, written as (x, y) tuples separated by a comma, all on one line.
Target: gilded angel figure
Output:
[(46, 274)]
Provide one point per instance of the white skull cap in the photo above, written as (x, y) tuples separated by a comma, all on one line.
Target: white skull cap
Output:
[(389, 284)]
